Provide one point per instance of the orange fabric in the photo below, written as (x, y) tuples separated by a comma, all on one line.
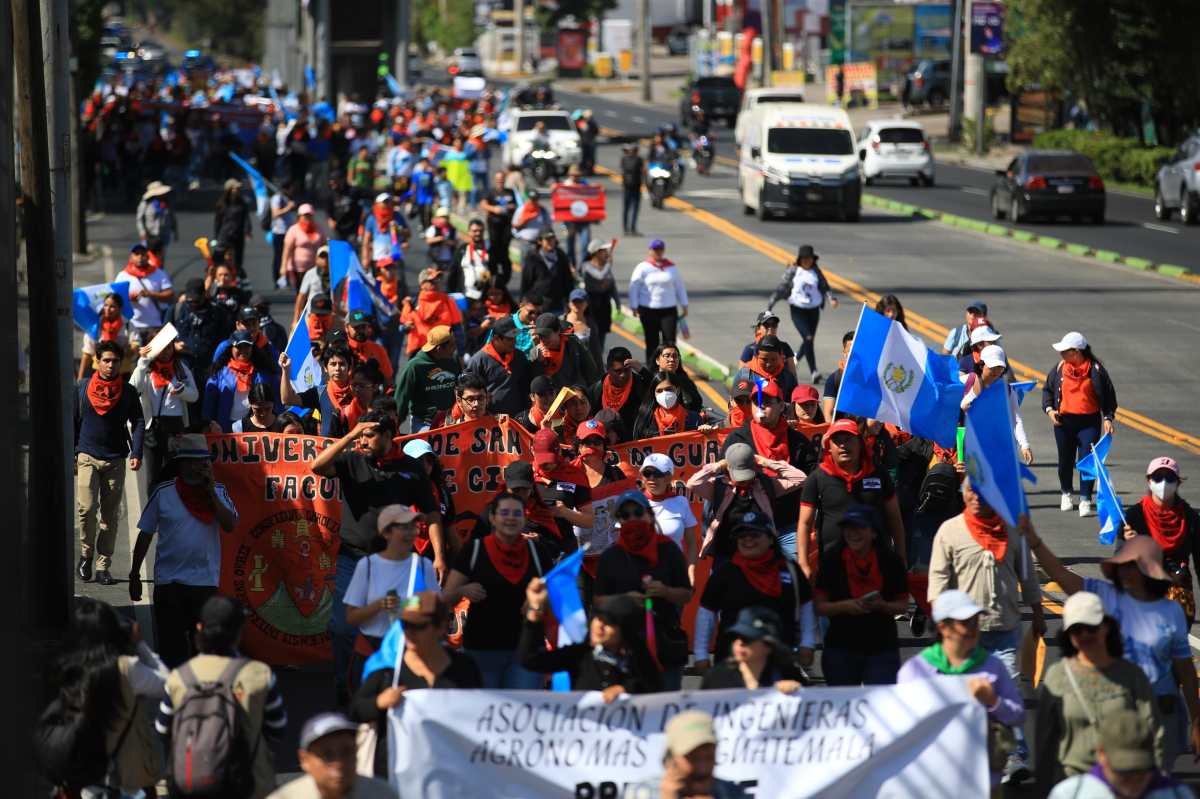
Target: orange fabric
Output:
[(613, 397), (496, 310), (433, 308), (989, 533), (770, 443), (244, 371), (552, 360), (1078, 393), (670, 421), (763, 572), (341, 395), (365, 350), (639, 537), (862, 575), (132, 267), (162, 374), (111, 328), (503, 360), (318, 325), (104, 394)]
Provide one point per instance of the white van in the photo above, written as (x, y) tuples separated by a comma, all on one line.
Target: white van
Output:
[(756, 98), (800, 159)]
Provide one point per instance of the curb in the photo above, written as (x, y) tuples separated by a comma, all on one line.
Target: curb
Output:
[(1029, 237)]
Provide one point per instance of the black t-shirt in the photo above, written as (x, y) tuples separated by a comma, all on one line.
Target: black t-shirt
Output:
[(572, 495), (250, 426), (724, 545), (728, 591), (504, 198), (369, 486), (495, 623), (785, 508), (828, 495), (619, 572), (832, 383), (751, 349), (728, 675), (872, 632)]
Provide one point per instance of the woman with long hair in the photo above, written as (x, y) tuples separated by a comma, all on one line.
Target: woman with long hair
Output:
[(227, 393), (661, 412), (757, 657), (667, 358), (890, 306), (1081, 402), (806, 290), (112, 327)]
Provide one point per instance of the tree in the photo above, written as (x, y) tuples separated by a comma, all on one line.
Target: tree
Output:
[(449, 23)]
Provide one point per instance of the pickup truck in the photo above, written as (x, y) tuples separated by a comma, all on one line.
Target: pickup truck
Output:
[(718, 98)]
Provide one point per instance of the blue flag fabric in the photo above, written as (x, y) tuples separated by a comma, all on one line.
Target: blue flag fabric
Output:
[(361, 290), (892, 376), (87, 301), (562, 589), (1089, 465), (1108, 504), (1021, 389), (991, 453), (257, 182), (310, 79), (305, 372), (391, 649), (394, 86)]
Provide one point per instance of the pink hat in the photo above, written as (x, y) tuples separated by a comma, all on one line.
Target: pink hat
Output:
[(1162, 463), (305, 209)]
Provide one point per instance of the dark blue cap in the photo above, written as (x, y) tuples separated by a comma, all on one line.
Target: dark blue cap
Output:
[(858, 516)]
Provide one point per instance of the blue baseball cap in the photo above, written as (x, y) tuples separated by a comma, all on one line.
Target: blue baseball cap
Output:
[(577, 295), (137, 245), (657, 244), (858, 516), (635, 496)]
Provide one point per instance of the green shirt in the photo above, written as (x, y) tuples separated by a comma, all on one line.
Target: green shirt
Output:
[(360, 173), (424, 387)]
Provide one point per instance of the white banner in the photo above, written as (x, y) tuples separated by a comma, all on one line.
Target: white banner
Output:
[(926, 739)]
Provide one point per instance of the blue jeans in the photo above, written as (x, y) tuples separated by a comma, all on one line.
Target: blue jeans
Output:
[(342, 631), (1004, 645), (581, 233), (843, 667), (631, 202), (500, 670), (1074, 437), (787, 543)]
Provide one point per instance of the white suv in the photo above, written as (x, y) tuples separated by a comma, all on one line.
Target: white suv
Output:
[(895, 148), (1177, 184), (561, 133)]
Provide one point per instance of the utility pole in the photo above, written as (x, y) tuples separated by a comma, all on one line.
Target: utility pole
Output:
[(519, 32), (56, 47), (324, 59), (956, 47), (644, 46), (402, 37), (768, 41), (44, 552), (980, 104)]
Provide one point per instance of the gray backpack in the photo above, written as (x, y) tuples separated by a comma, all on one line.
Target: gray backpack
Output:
[(210, 753)]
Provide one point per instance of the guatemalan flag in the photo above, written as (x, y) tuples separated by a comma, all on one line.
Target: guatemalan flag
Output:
[(361, 291), (304, 372), (86, 303), (562, 589), (892, 376), (1108, 504), (990, 454), (391, 649)]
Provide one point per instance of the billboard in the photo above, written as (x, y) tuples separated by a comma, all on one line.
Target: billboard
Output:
[(933, 31), (987, 28)]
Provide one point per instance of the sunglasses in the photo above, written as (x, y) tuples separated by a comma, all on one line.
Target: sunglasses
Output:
[(635, 512), (653, 474)]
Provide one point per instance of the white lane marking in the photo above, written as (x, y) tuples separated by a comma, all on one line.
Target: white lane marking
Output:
[(608, 112), (974, 190), (1184, 324), (713, 194), (1159, 228), (638, 119)]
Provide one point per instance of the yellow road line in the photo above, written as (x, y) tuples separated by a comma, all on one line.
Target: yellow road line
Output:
[(916, 322)]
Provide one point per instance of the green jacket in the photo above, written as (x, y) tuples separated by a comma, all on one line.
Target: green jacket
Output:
[(424, 387)]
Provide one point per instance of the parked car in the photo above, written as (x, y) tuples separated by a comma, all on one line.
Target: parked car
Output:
[(1177, 184), (895, 148), (466, 63), (1049, 183), (928, 83), (717, 97), (677, 40)]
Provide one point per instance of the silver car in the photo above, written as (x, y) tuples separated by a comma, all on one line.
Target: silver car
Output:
[(1177, 184)]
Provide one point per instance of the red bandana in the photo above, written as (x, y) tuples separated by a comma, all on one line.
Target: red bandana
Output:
[(245, 373), (511, 561), (111, 328), (613, 397), (762, 572), (503, 360), (989, 533), (195, 499), (1166, 525), (863, 576), (552, 360), (497, 309), (661, 264), (865, 467), (162, 374), (639, 537), (670, 421), (104, 394), (736, 416), (133, 268), (770, 443), (318, 324)]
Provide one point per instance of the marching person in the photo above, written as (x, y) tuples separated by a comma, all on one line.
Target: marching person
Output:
[(1081, 402), (1126, 765), (504, 370), (343, 399), (315, 283), (1173, 524), (806, 290), (499, 204), (767, 324), (166, 387), (547, 273), (227, 393), (232, 226), (425, 386), (470, 272), (672, 511), (300, 246), (621, 389), (327, 756), (150, 291), (106, 410), (156, 220), (560, 356), (601, 286), (688, 763), (111, 328), (188, 516), (633, 168), (959, 338), (668, 359), (994, 364), (661, 413), (757, 657), (657, 297)]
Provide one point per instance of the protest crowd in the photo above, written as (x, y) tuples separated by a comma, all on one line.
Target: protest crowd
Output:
[(438, 317)]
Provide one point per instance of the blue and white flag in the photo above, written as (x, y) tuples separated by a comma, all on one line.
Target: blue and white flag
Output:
[(394, 86), (304, 371), (361, 289), (990, 454), (310, 78), (1091, 464), (86, 303), (892, 376), (391, 649), (1108, 504), (258, 182), (1021, 389), (562, 589)]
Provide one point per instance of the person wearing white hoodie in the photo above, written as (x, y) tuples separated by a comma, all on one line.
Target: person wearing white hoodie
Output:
[(657, 297)]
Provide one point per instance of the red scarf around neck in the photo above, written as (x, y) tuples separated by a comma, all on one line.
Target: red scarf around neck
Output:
[(510, 560), (195, 499), (639, 537), (497, 310), (989, 533), (111, 328), (1166, 525), (318, 325), (670, 421), (162, 373), (552, 360), (660, 264), (762, 572), (133, 268), (615, 397), (104, 394), (757, 367), (771, 442), (244, 370), (862, 575), (865, 467), (736, 417), (383, 216), (503, 360)]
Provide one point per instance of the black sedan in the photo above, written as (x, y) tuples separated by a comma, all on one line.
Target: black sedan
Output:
[(1049, 183)]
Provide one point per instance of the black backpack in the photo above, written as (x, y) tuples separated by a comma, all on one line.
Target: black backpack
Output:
[(210, 754), (69, 750), (939, 491)]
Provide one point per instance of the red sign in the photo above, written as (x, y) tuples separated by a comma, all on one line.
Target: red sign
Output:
[(577, 203)]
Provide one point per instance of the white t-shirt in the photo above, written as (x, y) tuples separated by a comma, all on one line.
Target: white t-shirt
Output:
[(310, 285), (806, 289), (651, 286), (146, 312), (674, 515), (385, 575)]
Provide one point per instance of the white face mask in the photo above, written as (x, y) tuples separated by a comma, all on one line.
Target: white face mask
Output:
[(1162, 490), (760, 415), (666, 399)]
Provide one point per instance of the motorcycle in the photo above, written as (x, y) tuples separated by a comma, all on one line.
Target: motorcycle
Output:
[(661, 185), (703, 154), (542, 164)]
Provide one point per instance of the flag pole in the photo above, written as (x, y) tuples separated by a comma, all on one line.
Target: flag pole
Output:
[(849, 355)]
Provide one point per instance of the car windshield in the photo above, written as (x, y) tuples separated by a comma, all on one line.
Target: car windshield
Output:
[(1041, 164), (553, 122), (809, 141), (901, 136)]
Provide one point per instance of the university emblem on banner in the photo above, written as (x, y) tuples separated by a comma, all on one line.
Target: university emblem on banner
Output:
[(897, 378)]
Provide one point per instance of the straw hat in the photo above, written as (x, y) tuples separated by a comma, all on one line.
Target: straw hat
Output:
[(156, 189)]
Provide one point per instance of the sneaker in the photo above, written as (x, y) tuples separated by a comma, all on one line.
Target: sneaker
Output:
[(84, 569), (1066, 503), (104, 577), (1085, 507), (917, 623), (817, 377), (1016, 770)]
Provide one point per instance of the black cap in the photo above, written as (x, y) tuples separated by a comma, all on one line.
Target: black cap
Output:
[(977, 305), (547, 323), (518, 474), (765, 316), (193, 290), (258, 300), (504, 327), (247, 313), (756, 624), (769, 344), (541, 385), (806, 251), (241, 337), (742, 384), (321, 304), (547, 233), (359, 317), (751, 520)]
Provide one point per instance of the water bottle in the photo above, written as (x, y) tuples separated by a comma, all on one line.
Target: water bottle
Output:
[(684, 333)]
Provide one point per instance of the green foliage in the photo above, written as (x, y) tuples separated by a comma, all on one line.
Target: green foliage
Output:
[(1117, 55), (1116, 158), (968, 132), (450, 23)]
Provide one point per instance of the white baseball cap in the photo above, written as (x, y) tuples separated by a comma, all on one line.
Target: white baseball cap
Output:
[(1082, 607), (1072, 341), (984, 333), (956, 605), (992, 355), (383, 197), (658, 462)]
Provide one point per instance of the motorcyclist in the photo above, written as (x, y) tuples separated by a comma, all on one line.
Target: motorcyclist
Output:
[(540, 141)]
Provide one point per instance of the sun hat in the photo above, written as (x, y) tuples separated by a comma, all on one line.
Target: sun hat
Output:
[(1142, 550), (156, 189)]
